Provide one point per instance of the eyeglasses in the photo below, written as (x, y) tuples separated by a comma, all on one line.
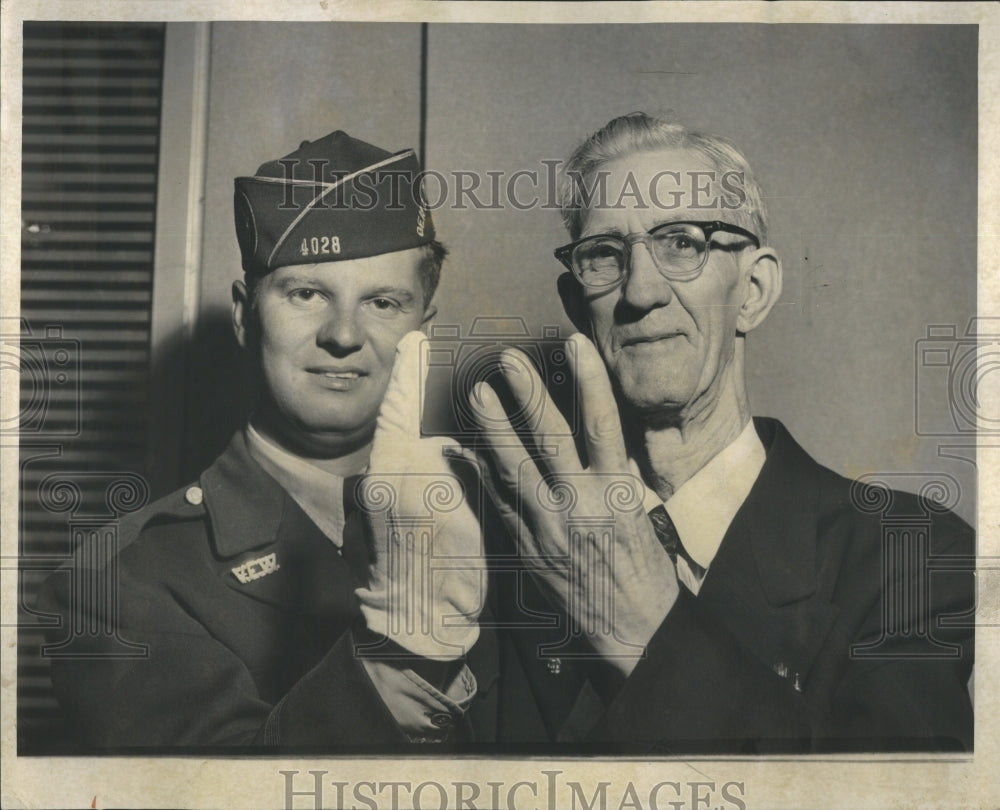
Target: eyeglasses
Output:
[(679, 250)]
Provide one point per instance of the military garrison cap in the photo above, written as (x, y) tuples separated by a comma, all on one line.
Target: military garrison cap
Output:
[(334, 199)]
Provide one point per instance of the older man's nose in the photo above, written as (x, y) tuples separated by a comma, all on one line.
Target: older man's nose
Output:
[(645, 287)]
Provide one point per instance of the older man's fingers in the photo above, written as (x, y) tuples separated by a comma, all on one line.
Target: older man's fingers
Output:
[(505, 503), (480, 461), (515, 474), (601, 421), (550, 433)]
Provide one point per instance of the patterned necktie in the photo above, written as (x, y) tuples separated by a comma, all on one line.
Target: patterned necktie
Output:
[(666, 533)]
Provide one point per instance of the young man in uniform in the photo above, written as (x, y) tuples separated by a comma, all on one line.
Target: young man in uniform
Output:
[(239, 591)]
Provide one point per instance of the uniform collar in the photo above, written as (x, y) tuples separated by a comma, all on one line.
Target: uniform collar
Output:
[(318, 492), (245, 505)]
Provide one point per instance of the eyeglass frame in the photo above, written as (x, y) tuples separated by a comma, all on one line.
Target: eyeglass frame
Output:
[(565, 253)]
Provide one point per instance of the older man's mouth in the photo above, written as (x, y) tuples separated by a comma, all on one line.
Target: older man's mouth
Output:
[(649, 340)]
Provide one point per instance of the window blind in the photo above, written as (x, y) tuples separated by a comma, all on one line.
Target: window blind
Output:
[(90, 144)]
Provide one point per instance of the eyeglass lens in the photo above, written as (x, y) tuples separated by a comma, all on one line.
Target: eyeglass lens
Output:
[(676, 250)]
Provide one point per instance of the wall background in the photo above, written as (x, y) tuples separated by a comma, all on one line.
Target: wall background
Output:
[(863, 136)]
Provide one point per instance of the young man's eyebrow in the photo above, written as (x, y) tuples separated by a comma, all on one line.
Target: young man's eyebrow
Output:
[(287, 282), (401, 293)]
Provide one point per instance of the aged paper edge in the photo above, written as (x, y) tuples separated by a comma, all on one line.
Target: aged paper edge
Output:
[(849, 782)]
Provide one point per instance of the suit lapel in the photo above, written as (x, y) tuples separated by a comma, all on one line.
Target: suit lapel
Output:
[(762, 583)]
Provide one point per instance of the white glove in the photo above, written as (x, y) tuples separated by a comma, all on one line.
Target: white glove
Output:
[(427, 584)]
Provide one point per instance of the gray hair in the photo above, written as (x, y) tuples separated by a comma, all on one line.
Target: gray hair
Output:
[(639, 132)]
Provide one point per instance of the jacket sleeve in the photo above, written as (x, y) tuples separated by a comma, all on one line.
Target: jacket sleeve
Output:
[(407, 708)]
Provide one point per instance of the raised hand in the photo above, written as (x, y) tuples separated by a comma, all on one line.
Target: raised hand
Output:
[(427, 583), (583, 530)]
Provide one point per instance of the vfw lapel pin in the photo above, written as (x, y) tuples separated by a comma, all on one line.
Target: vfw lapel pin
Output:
[(255, 569)]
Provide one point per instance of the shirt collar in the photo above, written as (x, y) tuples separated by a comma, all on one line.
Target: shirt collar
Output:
[(318, 492), (703, 506)]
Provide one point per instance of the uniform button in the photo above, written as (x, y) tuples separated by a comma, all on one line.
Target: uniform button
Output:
[(554, 665), (441, 720), (194, 496)]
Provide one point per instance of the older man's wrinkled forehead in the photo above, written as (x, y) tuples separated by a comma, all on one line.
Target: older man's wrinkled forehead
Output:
[(642, 190)]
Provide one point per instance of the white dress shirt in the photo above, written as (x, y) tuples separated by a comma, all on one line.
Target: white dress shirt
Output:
[(704, 506)]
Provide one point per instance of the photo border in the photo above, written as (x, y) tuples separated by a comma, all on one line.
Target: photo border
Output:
[(850, 781)]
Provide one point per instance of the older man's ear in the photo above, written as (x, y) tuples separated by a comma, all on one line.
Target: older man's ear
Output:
[(762, 289), (573, 302)]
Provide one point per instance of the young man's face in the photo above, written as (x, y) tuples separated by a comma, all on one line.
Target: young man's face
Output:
[(326, 337)]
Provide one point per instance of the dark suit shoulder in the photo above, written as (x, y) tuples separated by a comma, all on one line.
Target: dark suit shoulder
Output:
[(870, 501), (873, 502)]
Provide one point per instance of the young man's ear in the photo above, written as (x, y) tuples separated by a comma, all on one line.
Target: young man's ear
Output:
[(573, 302), (241, 312), (429, 314), (762, 289)]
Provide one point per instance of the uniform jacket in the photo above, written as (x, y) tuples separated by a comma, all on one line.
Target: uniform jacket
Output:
[(759, 661), (244, 608)]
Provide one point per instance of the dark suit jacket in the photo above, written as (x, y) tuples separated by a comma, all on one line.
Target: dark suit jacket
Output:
[(812, 632), (798, 580)]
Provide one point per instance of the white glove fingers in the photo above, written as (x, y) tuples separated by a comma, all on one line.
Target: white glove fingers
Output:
[(401, 406)]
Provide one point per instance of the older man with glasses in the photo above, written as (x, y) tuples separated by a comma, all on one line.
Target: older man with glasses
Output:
[(736, 599)]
